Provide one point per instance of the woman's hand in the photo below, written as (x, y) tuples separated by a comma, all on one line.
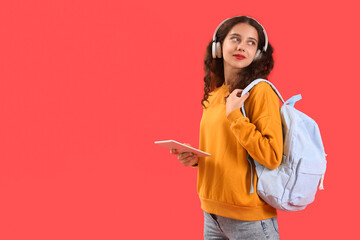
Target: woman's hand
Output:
[(186, 158), (234, 101)]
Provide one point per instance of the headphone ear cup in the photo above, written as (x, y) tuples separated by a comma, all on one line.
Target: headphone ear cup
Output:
[(257, 55), (213, 50), (218, 50)]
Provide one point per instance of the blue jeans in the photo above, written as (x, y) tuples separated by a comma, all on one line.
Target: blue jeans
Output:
[(222, 228)]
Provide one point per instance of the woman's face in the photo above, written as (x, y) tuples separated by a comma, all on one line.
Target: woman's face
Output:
[(240, 46)]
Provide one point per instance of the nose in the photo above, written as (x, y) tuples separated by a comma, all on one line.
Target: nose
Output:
[(241, 46)]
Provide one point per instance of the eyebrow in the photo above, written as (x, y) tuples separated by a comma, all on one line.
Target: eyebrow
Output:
[(236, 34)]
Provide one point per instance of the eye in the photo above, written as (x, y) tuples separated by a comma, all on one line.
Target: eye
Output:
[(252, 43), (235, 39)]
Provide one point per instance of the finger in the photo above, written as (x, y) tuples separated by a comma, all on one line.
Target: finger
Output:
[(189, 162), (193, 161), (174, 151), (185, 155), (240, 90), (236, 91), (191, 158), (243, 96), (238, 94)]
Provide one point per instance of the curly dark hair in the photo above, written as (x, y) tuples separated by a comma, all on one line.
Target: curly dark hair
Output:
[(214, 68)]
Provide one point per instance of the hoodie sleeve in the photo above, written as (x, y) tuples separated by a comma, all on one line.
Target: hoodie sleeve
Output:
[(260, 133)]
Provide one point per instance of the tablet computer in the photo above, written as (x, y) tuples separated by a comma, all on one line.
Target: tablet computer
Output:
[(180, 147)]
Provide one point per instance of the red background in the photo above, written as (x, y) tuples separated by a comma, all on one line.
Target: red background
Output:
[(87, 86)]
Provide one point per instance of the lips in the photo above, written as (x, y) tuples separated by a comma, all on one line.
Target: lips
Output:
[(239, 56)]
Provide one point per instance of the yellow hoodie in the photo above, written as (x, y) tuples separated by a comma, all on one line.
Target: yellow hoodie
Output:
[(224, 178)]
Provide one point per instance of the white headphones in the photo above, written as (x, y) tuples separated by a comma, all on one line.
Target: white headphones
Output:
[(216, 46)]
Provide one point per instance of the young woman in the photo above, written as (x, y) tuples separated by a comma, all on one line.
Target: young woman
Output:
[(238, 54)]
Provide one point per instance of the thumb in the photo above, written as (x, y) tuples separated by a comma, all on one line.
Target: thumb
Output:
[(245, 96)]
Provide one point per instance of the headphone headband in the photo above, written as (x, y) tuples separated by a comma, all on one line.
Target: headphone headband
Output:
[(266, 38)]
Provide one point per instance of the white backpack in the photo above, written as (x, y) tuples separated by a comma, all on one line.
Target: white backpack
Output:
[(293, 185)]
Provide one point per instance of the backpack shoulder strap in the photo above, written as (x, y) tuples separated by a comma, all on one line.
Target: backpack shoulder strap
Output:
[(255, 82)]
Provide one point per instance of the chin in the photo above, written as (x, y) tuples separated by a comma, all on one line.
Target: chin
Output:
[(241, 66)]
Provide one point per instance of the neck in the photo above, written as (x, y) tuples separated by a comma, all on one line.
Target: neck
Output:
[(230, 74)]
